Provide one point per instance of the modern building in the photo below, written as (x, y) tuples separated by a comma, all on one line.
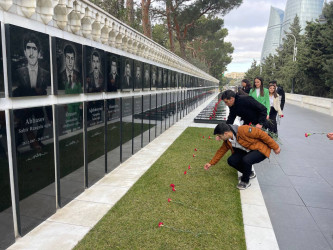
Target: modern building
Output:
[(272, 38), (306, 10)]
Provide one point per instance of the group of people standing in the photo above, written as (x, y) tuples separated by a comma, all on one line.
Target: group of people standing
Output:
[(272, 98)]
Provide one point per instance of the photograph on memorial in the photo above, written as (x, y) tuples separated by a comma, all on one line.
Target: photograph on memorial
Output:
[(138, 69), (165, 79), (146, 76), (127, 128), (34, 152), (6, 217), (179, 105), (71, 155), (113, 133), (95, 140), (113, 72), (67, 67), (167, 110), (94, 70), (146, 120), (153, 77), (163, 111), (2, 86), (172, 79), (127, 74), (153, 117), (28, 62), (159, 77), (137, 123)]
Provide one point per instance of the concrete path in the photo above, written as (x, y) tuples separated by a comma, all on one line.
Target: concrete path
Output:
[(70, 224), (297, 184)]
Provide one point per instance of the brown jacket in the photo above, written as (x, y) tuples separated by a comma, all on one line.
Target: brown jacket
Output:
[(251, 138)]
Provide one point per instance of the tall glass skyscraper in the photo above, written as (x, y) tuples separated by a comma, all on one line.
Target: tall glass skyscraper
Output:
[(306, 10), (272, 38)]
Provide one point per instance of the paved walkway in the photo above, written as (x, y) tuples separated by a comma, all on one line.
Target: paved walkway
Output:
[(70, 224), (297, 184)]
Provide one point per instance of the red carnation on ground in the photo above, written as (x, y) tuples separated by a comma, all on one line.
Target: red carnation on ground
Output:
[(160, 224), (250, 123), (185, 172), (193, 155), (173, 189), (209, 137), (195, 149), (203, 136), (172, 185), (169, 200), (189, 167), (282, 116), (307, 134)]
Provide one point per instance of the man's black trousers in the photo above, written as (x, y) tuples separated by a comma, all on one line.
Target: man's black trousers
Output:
[(242, 161)]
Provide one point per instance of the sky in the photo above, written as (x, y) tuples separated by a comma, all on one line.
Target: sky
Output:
[(247, 27)]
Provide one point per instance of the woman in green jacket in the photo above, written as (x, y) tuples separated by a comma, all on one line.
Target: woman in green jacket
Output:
[(261, 94)]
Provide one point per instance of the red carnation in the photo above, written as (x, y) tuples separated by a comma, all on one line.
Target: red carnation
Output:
[(185, 172), (195, 149), (193, 155), (250, 123), (208, 137), (203, 137), (189, 167), (160, 224), (282, 115), (169, 200), (173, 189), (172, 185), (210, 118)]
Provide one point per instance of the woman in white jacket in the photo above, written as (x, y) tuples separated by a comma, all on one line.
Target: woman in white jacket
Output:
[(274, 101)]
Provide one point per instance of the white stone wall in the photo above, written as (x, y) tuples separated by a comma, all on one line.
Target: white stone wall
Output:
[(323, 105)]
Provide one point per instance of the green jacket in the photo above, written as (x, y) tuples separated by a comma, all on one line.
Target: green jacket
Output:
[(264, 100)]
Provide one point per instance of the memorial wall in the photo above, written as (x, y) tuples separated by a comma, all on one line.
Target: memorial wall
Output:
[(75, 103)]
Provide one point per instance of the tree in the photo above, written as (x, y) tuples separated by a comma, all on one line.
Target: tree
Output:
[(184, 14), (253, 72)]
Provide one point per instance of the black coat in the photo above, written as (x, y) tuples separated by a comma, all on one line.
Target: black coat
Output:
[(281, 93), (248, 109)]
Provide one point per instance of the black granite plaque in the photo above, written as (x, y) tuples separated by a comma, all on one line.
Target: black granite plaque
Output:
[(158, 115), (28, 62), (127, 74), (137, 123), (95, 140), (70, 132), (146, 119), (6, 226), (2, 87), (127, 128), (113, 72), (165, 79), (34, 147), (153, 119), (113, 133), (146, 76), (154, 75), (167, 110), (159, 78), (94, 70), (138, 72), (67, 67), (163, 111)]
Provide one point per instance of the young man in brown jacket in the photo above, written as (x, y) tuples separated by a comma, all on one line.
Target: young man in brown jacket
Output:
[(249, 145)]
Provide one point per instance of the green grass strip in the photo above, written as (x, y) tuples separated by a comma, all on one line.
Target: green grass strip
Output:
[(206, 212)]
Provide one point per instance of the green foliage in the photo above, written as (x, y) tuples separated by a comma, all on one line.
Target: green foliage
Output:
[(160, 34), (211, 204), (253, 72), (313, 69)]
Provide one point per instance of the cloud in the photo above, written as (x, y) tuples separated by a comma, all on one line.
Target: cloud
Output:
[(247, 27)]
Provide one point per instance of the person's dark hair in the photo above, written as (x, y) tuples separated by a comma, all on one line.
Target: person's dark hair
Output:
[(69, 50), (261, 85), (95, 54), (247, 82), (274, 93), (228, 94), (221, 128), (31, 38), (273, 82)]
